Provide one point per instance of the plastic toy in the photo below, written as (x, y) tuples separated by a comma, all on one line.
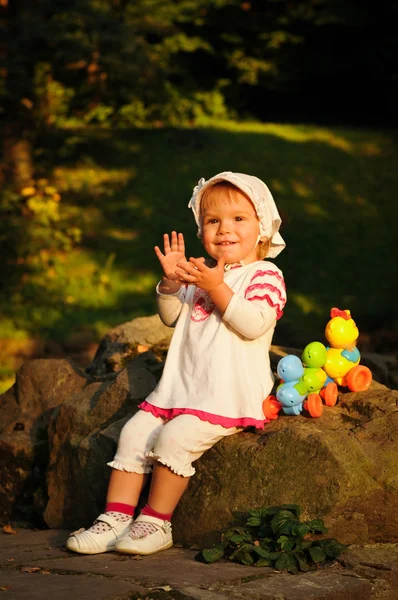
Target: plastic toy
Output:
[(306, 382), (342, 358), (296, 391)]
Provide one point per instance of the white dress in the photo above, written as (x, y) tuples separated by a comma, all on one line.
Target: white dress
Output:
[(217, 366)]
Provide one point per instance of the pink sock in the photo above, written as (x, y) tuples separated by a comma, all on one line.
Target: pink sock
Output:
[(126, 509), (149, 512)]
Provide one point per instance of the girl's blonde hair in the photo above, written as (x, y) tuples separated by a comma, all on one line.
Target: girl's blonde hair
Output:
[(217, 193)]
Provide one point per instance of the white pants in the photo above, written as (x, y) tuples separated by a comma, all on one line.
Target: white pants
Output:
[(146, 439)]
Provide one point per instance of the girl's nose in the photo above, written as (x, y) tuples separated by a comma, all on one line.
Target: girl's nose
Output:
[(224, 228)]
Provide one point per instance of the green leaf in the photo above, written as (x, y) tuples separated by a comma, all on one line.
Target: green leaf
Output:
[(286, 562), (302, 563), (332, 547), (283, 522), (238, 538), (227, 535), (286, 543), (258, 517), (317, 526), (263, 562), (243, 555), (306, 544), (211, 555), (301, 530), (254, 521), (317, 554), (261, 552)]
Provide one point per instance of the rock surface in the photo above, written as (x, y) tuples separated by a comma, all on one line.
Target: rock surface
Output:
[(83, 433), (35, 565), (342, 467), (120, 344), (25, 411), (61, 428)]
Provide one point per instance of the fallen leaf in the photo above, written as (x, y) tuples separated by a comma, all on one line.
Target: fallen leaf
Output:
[(9, 529), (10, 559), (5, 588), (141, 348), (45, 572), (30, 569), (165, 588)]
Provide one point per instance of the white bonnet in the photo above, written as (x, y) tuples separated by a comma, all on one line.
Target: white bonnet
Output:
[(261, 197)]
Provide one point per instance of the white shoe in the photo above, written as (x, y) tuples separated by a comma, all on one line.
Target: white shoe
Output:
[(87, 542), (151, 535)]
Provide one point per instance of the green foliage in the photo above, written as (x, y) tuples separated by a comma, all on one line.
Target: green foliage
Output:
[(124, 188), (47, 227), (275, 537)]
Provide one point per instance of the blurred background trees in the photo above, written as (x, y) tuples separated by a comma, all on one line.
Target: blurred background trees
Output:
[(74, 65)]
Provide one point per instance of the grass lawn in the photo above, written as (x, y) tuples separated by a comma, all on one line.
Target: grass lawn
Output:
[(336, 190)]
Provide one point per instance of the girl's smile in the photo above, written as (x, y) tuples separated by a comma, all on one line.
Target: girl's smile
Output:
[(231, 228)]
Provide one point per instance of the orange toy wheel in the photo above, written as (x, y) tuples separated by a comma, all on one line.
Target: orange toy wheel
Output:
[(359, 379), (271, 407), (329, 394), (314, 405)]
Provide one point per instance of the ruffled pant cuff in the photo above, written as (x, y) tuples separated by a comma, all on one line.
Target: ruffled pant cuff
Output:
[(187, 471), (121, 466)]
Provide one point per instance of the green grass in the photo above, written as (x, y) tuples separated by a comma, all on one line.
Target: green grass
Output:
[(336, 189)]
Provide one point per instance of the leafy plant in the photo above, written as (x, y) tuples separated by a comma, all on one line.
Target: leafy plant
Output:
[(275, 537)]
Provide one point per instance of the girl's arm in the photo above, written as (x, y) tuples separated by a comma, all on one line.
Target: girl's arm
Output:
[(169, 302), (169, 291), (257, 311), (250, 319), (174, 251), (252, 315)]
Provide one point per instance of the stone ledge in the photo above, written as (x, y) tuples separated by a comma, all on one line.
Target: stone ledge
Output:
[(175, 574)]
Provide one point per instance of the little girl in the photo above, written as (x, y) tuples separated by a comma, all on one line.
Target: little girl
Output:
[(217, 371)]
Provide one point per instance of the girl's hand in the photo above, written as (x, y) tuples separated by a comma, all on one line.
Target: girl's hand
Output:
[(197, 273), (174, 252)]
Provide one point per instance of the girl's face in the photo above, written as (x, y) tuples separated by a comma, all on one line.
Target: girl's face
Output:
[(231, 228)]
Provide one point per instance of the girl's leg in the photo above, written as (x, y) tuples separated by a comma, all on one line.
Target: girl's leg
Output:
[(125, 487), (182, 441), (166, 489), (128, 477)]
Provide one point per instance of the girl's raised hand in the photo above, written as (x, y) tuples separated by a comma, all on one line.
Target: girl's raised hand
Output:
[(174, 252), (197, 273)]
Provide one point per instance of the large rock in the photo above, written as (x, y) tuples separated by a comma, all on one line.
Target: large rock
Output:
[(342, 467), (25, 411), (83, 434), (120, 344)]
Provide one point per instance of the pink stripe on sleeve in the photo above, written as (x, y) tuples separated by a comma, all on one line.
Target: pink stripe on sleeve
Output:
[(263, 286), (266, 297), (269, 274)]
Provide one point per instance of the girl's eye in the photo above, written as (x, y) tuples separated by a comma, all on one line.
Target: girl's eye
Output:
[(238, 218), (212, 221)]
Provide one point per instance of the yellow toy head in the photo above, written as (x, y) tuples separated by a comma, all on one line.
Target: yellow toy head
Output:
[(341, 331)]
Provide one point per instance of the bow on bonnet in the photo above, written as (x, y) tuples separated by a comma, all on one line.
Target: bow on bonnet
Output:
[(259, 194)]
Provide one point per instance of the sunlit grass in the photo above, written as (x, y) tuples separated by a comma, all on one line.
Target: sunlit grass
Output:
[(335, 187)]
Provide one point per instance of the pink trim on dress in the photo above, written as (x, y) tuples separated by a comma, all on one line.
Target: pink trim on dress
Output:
[(227, 422)]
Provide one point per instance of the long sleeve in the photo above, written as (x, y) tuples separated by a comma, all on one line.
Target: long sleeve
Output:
[(169, 305), (257, 311)]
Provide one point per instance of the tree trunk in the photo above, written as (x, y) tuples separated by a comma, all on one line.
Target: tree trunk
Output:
[(18, 159)]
